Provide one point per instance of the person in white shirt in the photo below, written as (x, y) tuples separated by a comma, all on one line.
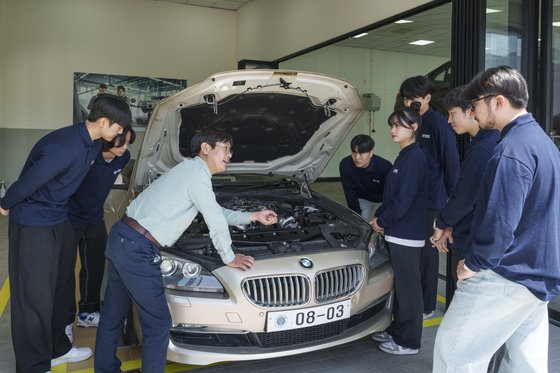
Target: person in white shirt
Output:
[(156, 218)]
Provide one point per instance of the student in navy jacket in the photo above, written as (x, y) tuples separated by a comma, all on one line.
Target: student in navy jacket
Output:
[(90, 235), (511, 268), (362, 175), (453, 223), (39, 253), (438, 142), (401, 217)]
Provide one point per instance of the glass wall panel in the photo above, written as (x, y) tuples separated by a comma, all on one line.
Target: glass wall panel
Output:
[(377, 62), (503, 33), (555, 130)]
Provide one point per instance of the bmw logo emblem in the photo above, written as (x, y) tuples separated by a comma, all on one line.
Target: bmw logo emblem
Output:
[(306, 263), (281, 321)]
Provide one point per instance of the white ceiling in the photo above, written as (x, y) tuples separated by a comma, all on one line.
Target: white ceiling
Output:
[(217, 4), (433, 24)]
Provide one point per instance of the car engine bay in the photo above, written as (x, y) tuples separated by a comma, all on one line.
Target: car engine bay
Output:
[(304, 225)]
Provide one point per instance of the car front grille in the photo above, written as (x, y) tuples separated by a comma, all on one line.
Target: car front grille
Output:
[(293, 290), (277, 291), (319, 332), (295, 338), (338, 283)]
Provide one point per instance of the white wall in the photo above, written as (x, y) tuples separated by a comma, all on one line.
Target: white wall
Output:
[(42, 43), (371, 71), (271, 29)]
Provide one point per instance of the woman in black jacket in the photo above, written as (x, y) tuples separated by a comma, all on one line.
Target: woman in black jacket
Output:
[(401, 218)]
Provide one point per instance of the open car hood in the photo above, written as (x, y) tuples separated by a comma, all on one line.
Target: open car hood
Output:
[(282, 122)]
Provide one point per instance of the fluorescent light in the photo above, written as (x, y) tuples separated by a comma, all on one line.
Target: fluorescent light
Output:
[(490, 10), (556, 24), (403, 21), (422, 42), (360, 35)]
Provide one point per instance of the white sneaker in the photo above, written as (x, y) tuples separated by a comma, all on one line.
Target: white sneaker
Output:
[(74, 355), (88, 319), (381, 337), (69, 333), (391, 347), (428, 315)]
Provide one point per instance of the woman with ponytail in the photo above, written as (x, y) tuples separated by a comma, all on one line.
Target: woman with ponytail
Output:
[(401, 218)]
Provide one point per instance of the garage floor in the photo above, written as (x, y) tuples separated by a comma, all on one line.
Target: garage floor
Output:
[(359, 356)]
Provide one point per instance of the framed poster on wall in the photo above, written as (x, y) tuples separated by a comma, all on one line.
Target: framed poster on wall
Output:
[(141, 93)]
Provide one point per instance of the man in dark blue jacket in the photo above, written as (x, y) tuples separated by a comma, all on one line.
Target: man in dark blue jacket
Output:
[(453, 223), (363, 176), (511, 268), (90, 235), (439, 144), (39, 253)]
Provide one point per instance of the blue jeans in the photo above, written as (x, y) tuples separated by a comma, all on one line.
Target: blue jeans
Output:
[(133, 275), (487, 311)]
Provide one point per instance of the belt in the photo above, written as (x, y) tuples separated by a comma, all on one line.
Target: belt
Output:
[(140, 229)]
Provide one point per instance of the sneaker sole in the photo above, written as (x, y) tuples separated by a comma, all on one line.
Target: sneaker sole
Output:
[(427, 316), (392, 352), (80, 325), (59, 361), (381, 340)]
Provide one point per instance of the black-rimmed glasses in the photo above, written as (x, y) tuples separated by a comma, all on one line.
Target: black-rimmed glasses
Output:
[(482, 98)]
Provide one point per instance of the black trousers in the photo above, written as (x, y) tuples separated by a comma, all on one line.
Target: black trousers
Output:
[(429, 266), (406, 327), (39, 259), (91, 240)]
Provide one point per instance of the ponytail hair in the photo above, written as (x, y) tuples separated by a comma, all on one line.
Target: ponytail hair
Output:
[(415, 105), (407, 116)]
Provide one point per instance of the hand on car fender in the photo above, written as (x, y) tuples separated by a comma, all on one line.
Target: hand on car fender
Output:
[(243, 262), (266, 217), (376, 226)]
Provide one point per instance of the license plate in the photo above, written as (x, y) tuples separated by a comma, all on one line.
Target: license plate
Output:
[(305, 317)]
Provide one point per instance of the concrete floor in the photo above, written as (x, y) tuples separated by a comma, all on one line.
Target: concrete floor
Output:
[(358, 356)]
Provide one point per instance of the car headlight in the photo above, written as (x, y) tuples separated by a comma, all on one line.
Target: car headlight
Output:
[(185, 275), (377, 250)]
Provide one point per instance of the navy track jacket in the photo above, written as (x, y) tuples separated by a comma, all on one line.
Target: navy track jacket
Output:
[(53, 171), (439, 144), (458, 211), (86, 205), (515, 230), (365, 183), (405, 198)]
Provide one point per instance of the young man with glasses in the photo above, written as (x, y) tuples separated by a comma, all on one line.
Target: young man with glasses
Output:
[(158, 217), (511, 267)]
